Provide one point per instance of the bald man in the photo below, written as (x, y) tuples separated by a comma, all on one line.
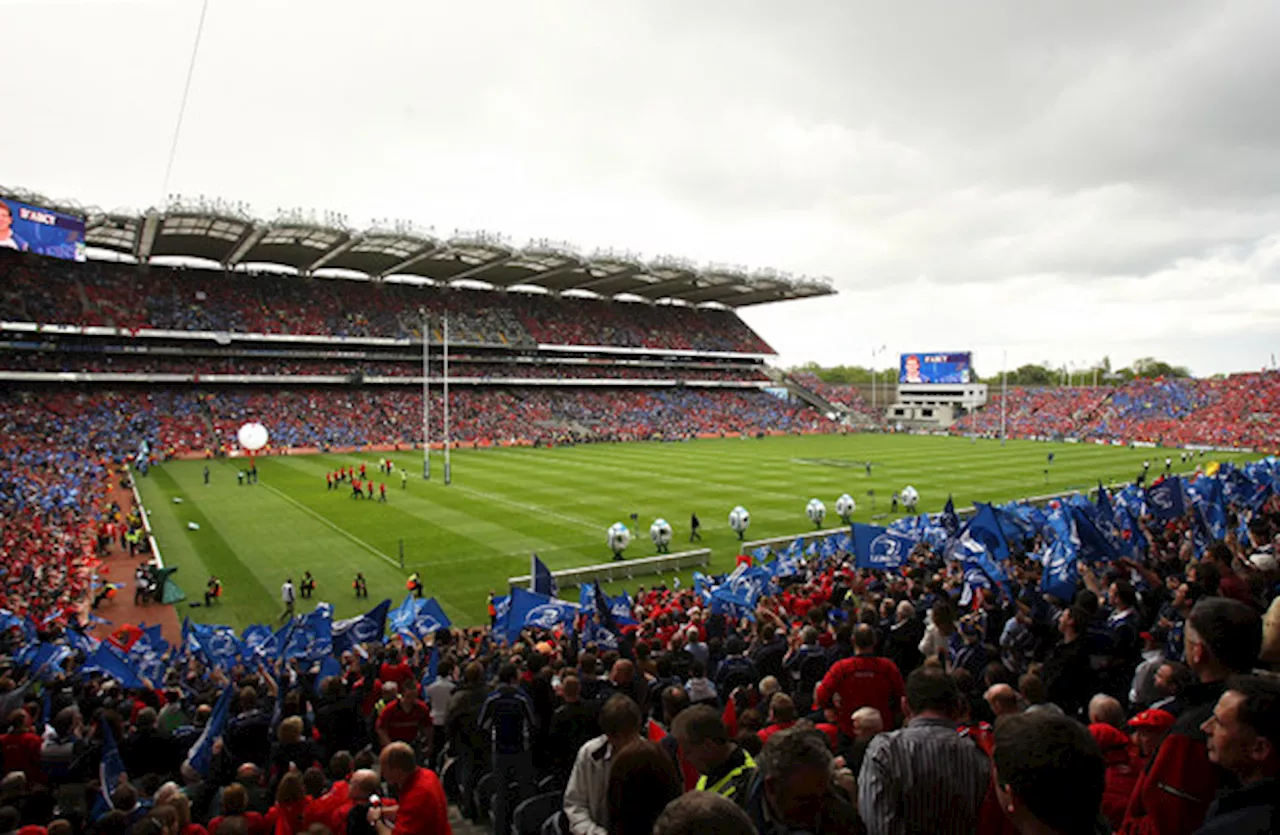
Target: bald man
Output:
[(362, 786), (1003, 700), (422, 808)]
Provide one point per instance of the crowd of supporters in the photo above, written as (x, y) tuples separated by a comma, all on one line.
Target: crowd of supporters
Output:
[(125, 363), (1241, 410), (852, 700), (124, 297)]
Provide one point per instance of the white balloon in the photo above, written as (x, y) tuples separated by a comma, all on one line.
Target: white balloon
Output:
[(816, 511), (660, 532), (845, 506), (252, 436), (909, 496), (618, 536), (739, 519)]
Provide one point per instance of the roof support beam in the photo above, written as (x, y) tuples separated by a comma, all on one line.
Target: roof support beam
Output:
[(147, 236), (479, 268), (598, 280), (247, 243), (421, 255), (333, 253)]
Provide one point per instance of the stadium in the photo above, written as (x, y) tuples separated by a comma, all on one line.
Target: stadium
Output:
[(321, 527)]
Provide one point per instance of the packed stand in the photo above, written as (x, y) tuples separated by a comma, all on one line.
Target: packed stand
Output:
[(120, 296), (1050, 412), (130, 363)]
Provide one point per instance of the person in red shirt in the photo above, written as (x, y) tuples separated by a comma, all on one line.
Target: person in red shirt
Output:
[(782, 715), (396, 669), (865, 680), (1123, 768), (20, 748), (422, 808), (235, 803), (405, 720)]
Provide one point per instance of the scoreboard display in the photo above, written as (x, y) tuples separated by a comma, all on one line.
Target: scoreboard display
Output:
[(936, 368), (27, 228)]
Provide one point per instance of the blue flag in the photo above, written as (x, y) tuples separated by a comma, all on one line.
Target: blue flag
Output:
[(984, 528), (258, 641), (535, 610), (433, 668), (1105, 510), (949, 521), (543, 582), (362, 629), (218, 645), (702, 587), (111, 769), (1061, 576), (1094, 544), (420, 617), (880, 548), (107, 661), (1165, 500), (604, 609), (200, 755), (1137, 539), (330, 667)]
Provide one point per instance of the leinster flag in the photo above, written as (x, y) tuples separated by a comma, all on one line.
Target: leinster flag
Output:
[(877, 547), (365, 629), (527, 609), (984, 528), (1165, 500)]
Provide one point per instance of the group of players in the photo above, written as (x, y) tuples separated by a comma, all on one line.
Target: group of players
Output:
[(362, 487)]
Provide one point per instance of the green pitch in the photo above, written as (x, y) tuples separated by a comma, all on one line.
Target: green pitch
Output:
[(469, 537)]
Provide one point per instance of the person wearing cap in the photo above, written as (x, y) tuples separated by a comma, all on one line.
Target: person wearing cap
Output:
[(1149, 728), (1123, 767), (1222, 638), (1244, 739)]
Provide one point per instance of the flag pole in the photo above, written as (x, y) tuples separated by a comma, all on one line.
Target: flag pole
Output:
[(426, 396), (448, 474), (1004, 393), (533, 571)]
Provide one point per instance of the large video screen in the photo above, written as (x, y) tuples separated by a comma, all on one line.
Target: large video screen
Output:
[(936, 368), (42, 231)]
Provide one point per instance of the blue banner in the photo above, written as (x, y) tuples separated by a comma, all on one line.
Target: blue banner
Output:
[(536, 610), (1164, 500), (880, 548), (363, 629)]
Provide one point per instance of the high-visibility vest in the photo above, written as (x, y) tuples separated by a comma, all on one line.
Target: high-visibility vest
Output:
[(727, 786)]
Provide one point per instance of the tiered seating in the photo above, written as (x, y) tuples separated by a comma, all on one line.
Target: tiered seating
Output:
[(120, 296), (845, 395)]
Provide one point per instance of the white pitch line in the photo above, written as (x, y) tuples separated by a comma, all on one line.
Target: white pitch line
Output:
[(357, 540), (532, 508)]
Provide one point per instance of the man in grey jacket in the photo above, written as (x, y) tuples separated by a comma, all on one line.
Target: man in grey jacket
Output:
[(586, 797)]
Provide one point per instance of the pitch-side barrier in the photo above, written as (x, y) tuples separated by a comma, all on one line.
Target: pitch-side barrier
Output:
[(624, 569)]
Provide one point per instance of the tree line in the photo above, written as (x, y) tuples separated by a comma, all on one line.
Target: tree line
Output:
[(1031, 374)]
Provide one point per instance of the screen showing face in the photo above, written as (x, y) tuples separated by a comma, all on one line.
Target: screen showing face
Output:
[(935, 368), (26, 228)]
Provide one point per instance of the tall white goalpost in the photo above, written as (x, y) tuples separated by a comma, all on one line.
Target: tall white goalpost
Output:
[(426, 395)]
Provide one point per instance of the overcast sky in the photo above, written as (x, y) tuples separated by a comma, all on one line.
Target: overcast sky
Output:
[(1060, 180)]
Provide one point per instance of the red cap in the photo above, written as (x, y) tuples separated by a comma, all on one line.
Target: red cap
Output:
[(1152, 718)]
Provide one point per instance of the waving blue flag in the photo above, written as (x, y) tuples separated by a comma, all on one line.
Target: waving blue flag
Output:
[(107, 661), (420, 617), (1061, 576), (1137, 539), (110, 769), (258, 641), (1094, 544), (330, 667), (880, 548), (1165, 500), (543, 581), (363, 629), (200, 755), (218, 645), (949, 521), (536, 610), (433, 669), (1105, 510), (702, 587), (984, 527)]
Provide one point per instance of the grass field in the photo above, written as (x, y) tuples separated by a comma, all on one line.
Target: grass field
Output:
[(471, 536)]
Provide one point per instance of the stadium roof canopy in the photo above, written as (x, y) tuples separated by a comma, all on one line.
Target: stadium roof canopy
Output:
[(227, 235)]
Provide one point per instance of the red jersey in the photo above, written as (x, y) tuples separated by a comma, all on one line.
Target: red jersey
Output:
[(423, 807), (861, 681), (403, 726)]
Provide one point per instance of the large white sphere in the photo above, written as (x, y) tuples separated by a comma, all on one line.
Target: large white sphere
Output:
[(816, 511), (252, 436), (845, 506), (618, 536), (909, 496), (660, 532), (739, 519)]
